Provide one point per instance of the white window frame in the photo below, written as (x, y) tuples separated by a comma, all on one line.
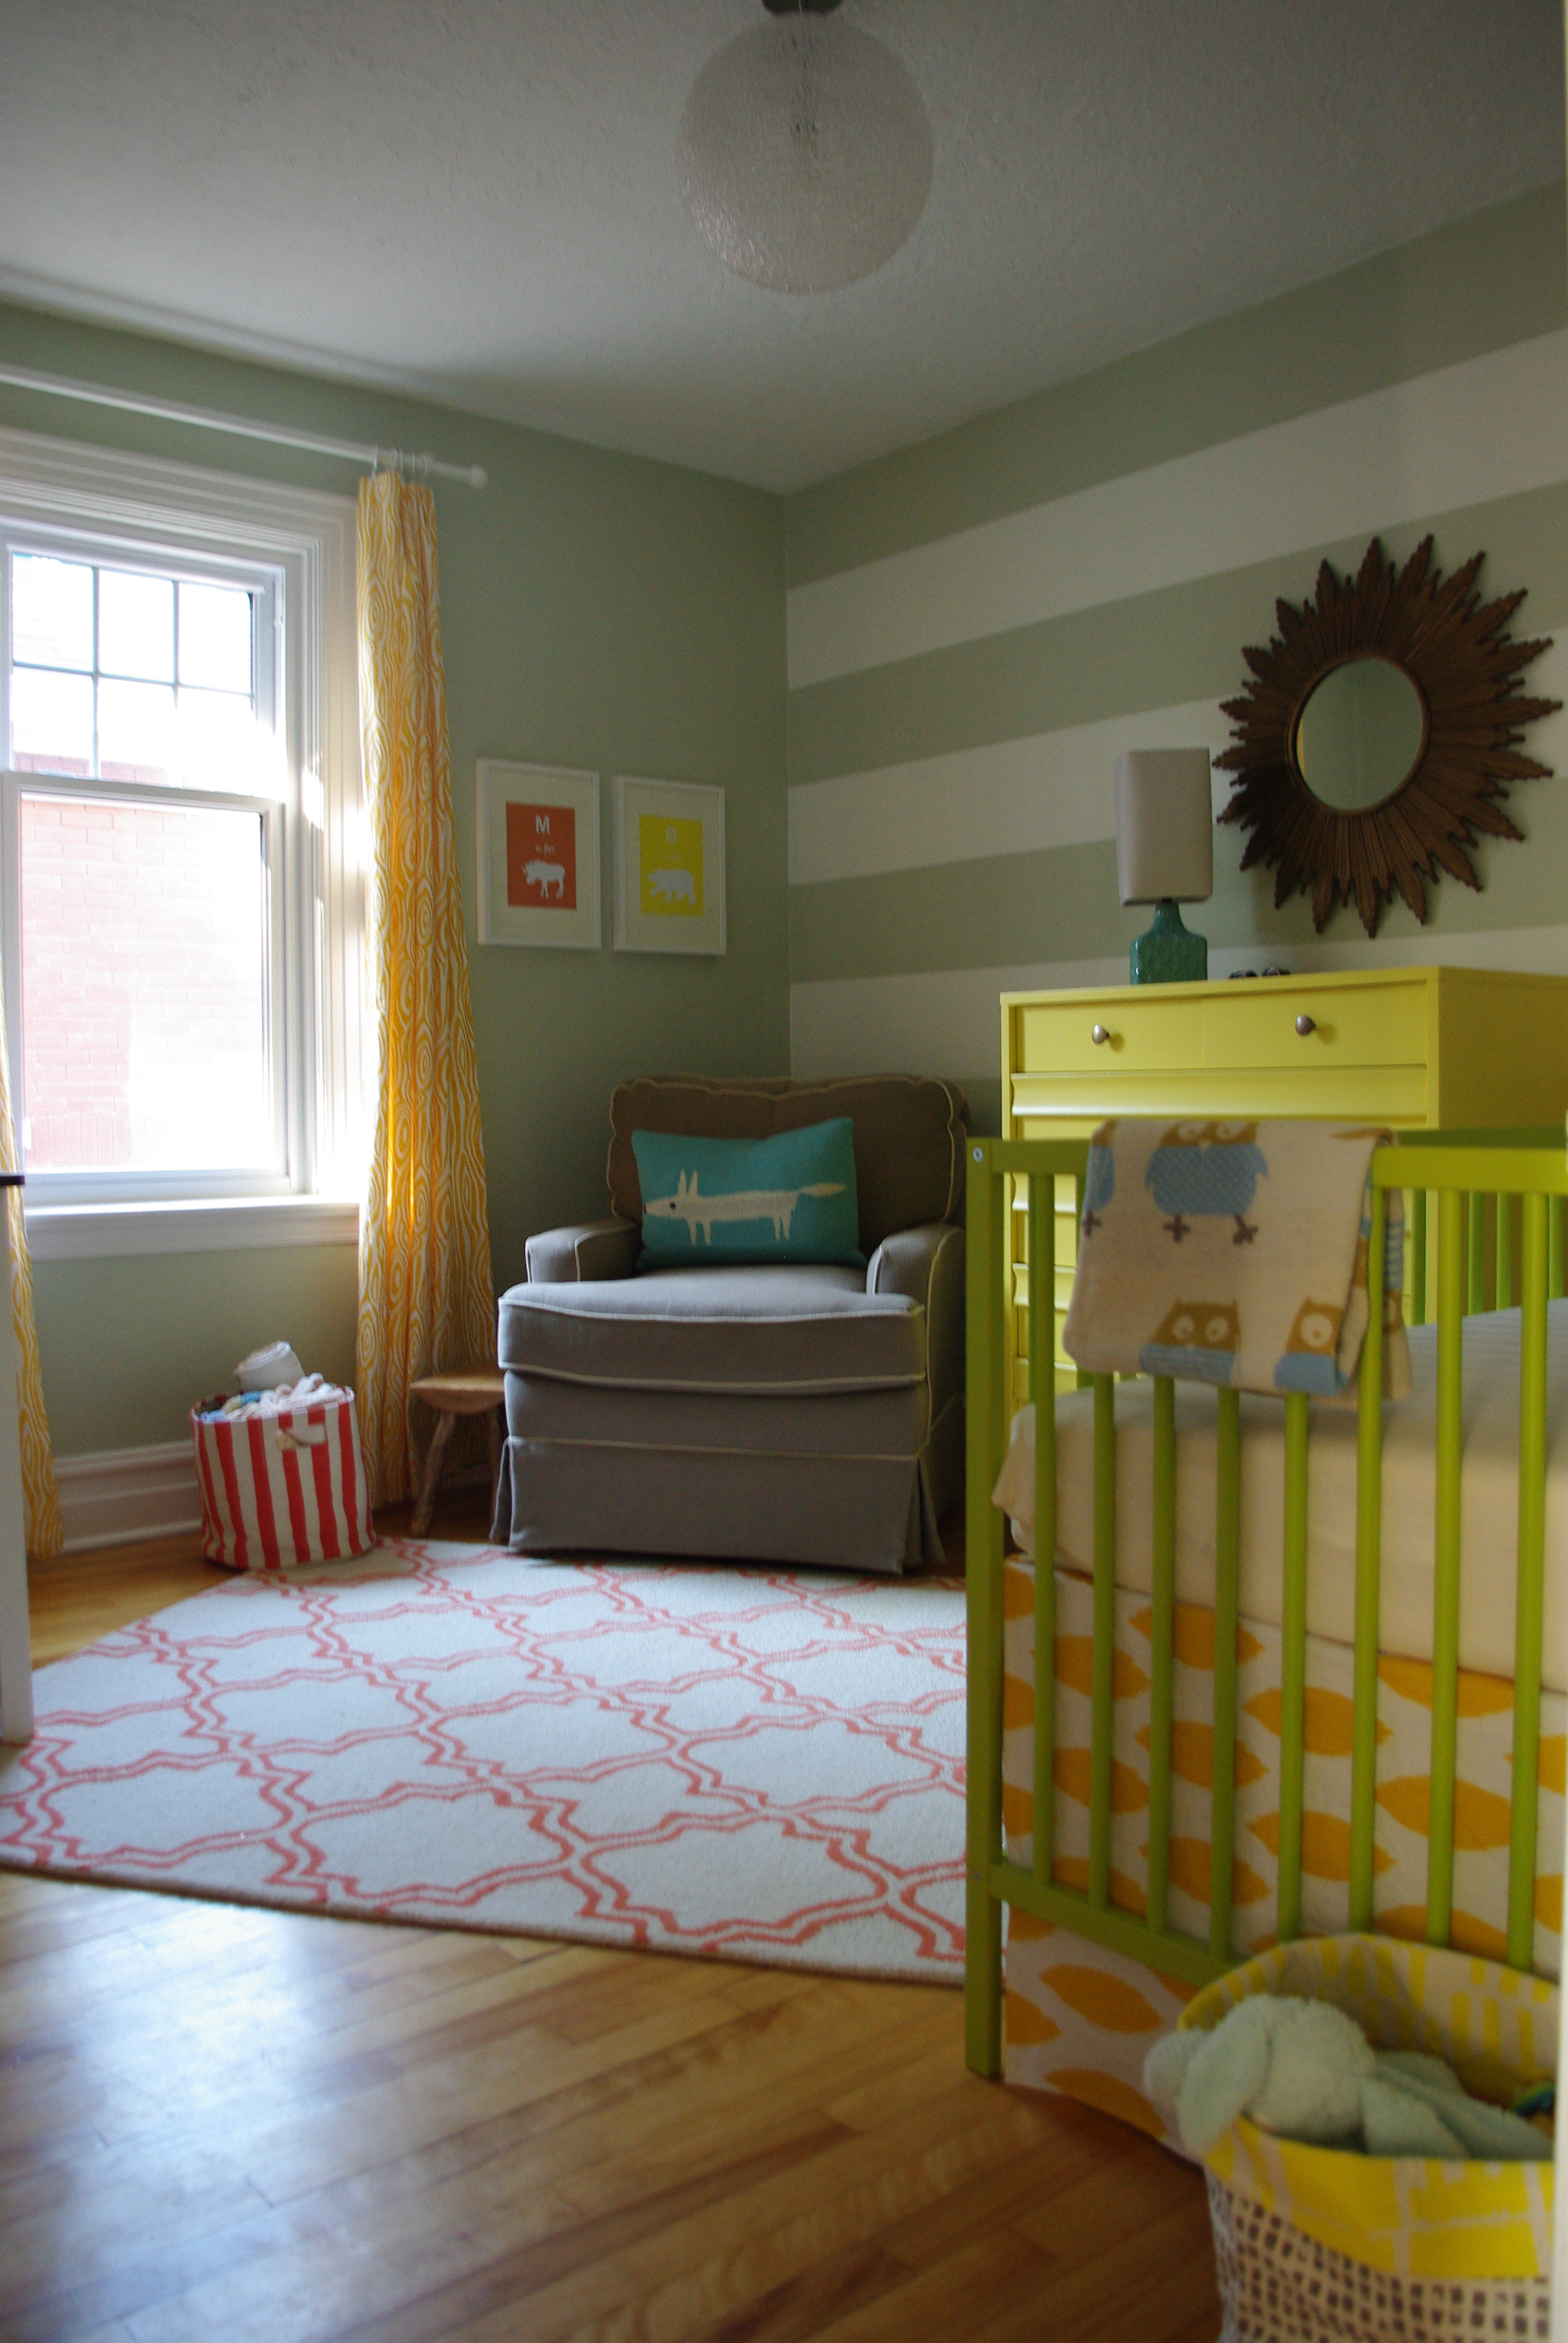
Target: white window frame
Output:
[(59, 490)]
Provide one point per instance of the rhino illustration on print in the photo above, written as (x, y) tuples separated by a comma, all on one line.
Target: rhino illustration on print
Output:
[(699, 1212), (669, 861)]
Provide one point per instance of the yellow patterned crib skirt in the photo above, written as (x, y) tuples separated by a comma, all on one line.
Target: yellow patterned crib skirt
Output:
[(1080, 2020)]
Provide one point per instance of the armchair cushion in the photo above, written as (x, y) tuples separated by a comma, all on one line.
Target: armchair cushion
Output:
[(761, 1331)]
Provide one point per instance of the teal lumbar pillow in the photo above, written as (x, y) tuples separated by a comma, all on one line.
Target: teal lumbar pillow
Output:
[(788, 1198)]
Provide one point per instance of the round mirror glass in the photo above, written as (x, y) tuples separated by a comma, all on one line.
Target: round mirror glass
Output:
[(1360, 734)]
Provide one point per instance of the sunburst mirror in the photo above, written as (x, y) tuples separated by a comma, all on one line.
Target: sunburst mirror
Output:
[(1379, 735)]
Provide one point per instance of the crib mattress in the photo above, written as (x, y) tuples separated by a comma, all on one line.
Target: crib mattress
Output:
[(1080, 2020), (1490, 1512)]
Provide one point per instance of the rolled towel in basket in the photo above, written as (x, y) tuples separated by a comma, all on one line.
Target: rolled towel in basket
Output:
[(1304, 2070)]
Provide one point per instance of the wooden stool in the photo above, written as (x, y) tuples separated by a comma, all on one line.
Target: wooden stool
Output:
[(473, 1391)]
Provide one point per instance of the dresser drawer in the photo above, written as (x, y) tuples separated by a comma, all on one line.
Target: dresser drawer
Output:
[(1144, 1037), (1386, 1025), (1048, 1107)]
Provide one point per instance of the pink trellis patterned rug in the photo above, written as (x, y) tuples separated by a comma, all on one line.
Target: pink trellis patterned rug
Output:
[(764, 1764)]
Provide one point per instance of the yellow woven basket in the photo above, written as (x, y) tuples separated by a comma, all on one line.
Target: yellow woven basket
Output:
[(1406, 2217)]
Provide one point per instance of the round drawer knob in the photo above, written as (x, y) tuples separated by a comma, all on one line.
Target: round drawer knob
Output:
[(1101, 1035), (1305, 1024)]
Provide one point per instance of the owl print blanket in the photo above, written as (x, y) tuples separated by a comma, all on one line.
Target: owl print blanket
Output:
[(1234, 1254)]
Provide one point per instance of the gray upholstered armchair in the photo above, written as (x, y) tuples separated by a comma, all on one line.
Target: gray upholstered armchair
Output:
[(791, 1411)]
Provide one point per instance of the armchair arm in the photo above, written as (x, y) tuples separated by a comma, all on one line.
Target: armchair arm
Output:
[(586, 1250), (927, 1265)]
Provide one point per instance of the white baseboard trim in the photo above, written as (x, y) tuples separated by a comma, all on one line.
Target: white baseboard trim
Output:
[(121, 1495)]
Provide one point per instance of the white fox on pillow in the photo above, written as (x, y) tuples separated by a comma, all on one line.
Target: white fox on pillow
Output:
[(789, 1198)]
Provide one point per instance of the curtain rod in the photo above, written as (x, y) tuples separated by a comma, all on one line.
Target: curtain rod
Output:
[(277, 435)]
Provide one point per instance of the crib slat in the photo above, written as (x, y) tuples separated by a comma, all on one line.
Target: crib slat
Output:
[(1163, 1643), (985, 1268), (1418, 1258), (1527, 1634), (1078, 1192), (1292, 1668), (1226, 1590), (1503, 1282), (1445, 1574), (1042, 1385), (1477, 1254), (1369, 1558), (1555, 1249), (1102, 1667)]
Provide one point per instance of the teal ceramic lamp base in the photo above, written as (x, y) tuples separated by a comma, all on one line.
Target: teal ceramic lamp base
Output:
[(1169, 953)]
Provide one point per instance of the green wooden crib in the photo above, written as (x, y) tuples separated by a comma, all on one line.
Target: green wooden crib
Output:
[(1484, 1215)]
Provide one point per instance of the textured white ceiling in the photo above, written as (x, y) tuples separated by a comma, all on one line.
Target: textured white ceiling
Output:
[(477, 199)]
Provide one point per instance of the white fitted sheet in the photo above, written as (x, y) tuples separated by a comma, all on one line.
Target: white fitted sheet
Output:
[(1489, 1508)]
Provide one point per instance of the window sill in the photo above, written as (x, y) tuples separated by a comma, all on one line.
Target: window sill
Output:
[(222, 1224)]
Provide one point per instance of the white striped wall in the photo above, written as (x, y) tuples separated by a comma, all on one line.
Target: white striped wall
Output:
[(1488, 428), (1054, 789)]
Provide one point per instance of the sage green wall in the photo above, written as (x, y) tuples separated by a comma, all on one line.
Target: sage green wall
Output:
[(598, 611), (978, 625), (128, 1344)]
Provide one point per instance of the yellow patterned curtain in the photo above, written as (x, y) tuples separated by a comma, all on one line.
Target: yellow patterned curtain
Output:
[(427, 1301), (41, 1499)]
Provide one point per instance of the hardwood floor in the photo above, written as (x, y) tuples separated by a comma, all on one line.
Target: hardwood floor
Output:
[(222, 2122)]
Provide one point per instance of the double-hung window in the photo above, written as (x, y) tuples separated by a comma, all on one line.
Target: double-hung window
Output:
[(146, 812), (178, 906)]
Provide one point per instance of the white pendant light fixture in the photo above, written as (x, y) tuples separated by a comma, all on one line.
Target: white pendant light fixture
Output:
[(804, 152)]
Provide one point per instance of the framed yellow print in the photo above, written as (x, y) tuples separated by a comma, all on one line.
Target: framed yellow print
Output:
[(668, 865), (536, 831)]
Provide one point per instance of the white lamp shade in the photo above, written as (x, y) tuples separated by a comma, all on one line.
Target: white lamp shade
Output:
[(1165, 826), (804, 153)]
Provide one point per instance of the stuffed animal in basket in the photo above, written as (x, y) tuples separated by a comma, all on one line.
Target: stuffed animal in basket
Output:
[(1305, 2070)]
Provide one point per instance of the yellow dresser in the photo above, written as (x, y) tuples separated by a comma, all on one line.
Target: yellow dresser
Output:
[(1413, 1047)]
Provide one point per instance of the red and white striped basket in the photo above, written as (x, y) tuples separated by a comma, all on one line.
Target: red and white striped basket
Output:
[(284, 1489)]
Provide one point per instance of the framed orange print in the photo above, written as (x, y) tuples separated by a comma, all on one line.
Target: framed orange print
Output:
[(536, 831)]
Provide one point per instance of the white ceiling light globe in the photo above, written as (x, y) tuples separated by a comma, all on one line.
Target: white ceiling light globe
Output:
[(804, 154)]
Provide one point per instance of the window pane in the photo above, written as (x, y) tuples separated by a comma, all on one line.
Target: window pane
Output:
[(136, 626), (135, 730), (215, 637), (223, 747), (143, 1006), (51, 611), (51, 721)]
